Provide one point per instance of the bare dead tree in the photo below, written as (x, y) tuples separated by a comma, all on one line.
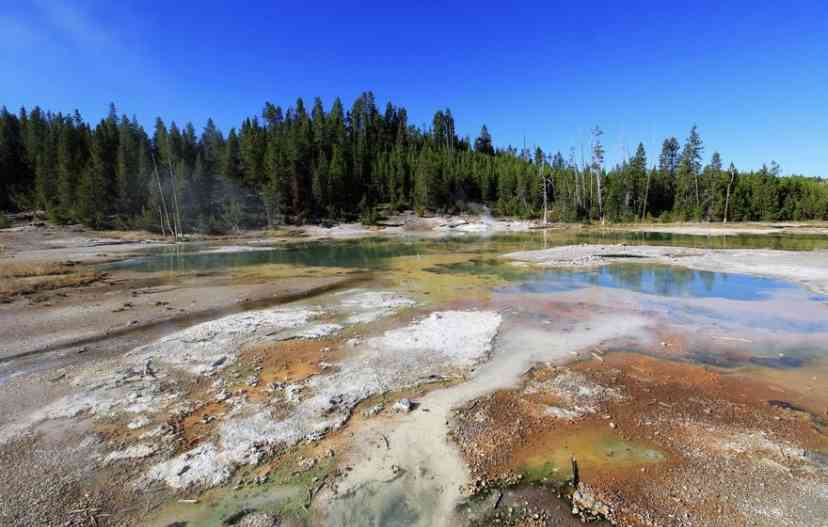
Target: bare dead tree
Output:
[(178, 230), (542, 177), (646, 196), (174, 178), (597, 167), (577, 194), (162, 209), (732, 171)]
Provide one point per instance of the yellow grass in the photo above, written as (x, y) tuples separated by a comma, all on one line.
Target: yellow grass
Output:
[(28, 278)]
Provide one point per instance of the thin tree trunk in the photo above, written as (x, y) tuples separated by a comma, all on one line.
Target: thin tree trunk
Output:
[(580, 192), (727, 197), (174, 178), (177, 211), (175, 201), (543, 180), (646, 197), (600, 198), (698, 202), (163, 207)]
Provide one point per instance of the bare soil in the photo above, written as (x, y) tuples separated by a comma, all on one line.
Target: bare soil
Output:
[(726, 452)]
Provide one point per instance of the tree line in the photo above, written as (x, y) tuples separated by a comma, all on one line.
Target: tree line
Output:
[(296, 166)]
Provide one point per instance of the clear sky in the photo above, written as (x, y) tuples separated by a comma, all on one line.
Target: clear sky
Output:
[(752, 75)]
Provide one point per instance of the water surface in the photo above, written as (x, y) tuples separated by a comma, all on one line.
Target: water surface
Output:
[(375, 252)]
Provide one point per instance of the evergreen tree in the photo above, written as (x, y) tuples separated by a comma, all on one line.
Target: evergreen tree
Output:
[(293, 166), (483, 143), (15, 177), (688, 197)]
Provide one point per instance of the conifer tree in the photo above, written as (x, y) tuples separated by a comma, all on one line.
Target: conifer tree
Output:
[(688, 198), (483, 143)]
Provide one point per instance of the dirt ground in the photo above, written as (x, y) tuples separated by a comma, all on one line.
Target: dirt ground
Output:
[(60, 312), (673, 423), (656, 442)]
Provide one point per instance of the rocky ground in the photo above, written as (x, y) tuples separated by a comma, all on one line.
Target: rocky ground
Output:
[(279, 395), (655, 442), (221, 398)]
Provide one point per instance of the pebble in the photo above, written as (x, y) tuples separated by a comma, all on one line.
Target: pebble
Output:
[(404, 406)]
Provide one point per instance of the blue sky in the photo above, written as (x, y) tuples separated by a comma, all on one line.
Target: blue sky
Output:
[(752, 75)]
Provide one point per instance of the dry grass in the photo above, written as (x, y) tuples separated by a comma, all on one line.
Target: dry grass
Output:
[(131, 235), (281, 233), (29, 278), (28, 269)]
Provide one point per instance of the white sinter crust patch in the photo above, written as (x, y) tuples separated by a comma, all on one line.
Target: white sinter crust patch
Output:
[(450, 341)]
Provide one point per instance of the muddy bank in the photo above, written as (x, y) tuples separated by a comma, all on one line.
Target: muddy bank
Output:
[(809, 268), (656, 443)]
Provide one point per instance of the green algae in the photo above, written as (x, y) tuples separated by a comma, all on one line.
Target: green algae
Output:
[(284, 492), (594, 449)]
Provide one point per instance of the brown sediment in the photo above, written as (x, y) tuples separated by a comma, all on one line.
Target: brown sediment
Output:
[(196, 427), (712, 395), (289, 362), (800, 387), (268, 363), (720, 446)]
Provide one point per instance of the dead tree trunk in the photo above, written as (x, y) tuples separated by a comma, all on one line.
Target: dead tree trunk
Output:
[(545, 199), (727, 196), (600, 198), (646, 197), (163, 207)]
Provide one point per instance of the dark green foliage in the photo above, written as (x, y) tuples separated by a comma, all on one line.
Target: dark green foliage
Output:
[(15, 172), (297, 166)]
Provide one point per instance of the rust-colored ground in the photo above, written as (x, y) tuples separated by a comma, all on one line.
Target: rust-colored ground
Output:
[(684, 445)]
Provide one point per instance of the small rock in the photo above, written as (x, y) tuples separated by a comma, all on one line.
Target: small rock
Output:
[(307, 464), (404, 406), (374, 410), (259, 519), (138, 422), (219, 361)]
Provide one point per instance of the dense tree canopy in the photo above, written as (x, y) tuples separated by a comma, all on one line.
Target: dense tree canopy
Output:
[(297, 165)]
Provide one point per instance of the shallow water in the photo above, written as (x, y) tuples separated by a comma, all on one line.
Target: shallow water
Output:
[(375, 252), (658, 280), (594, 449)]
